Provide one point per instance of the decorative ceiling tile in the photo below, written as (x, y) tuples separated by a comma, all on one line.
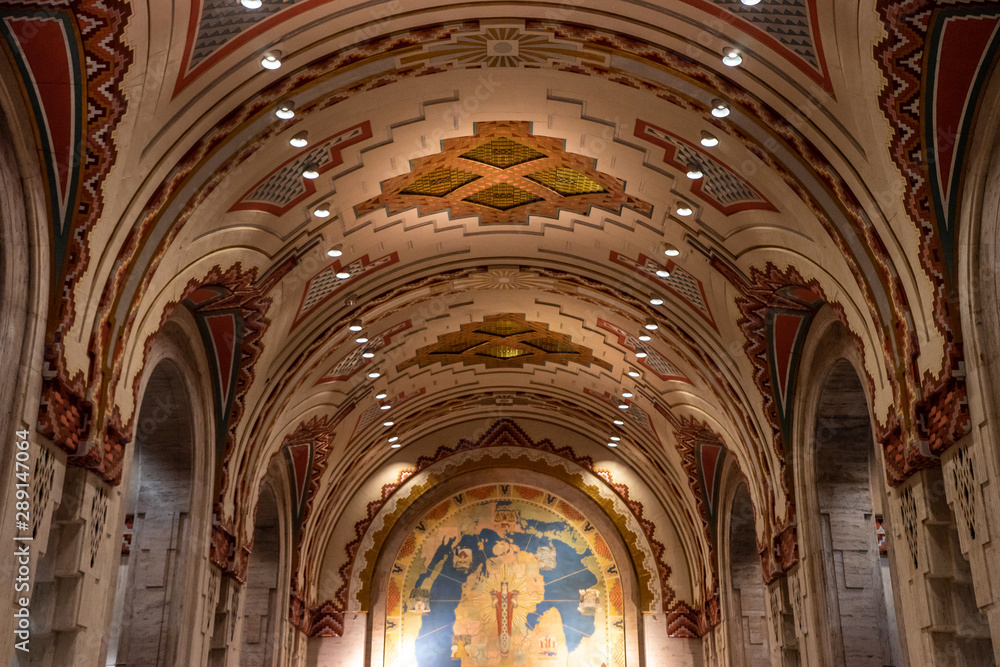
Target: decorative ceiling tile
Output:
[(517, 175), (325, 284), (506, 340), (680, 282), (355, 361), (654, 360), (721, 187)]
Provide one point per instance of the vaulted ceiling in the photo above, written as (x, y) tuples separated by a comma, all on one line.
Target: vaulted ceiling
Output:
[(529, 207)]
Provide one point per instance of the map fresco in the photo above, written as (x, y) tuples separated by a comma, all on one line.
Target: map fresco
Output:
[(504, 575)]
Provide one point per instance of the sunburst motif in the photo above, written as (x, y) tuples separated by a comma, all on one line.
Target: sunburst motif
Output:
[(504, 279), (505, 46)]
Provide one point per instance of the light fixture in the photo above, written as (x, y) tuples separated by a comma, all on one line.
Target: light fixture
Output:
[(650, 324), (382, 407), (683, 209), (300, 139), (641, 355), (645, 337), (655, 300), (627, 394), (623, 406), (367, 354), (709, 140), (343, 275), (394, 438), (618, 422), (271, 60), (612, 444), (382, 393), (731, 56), (374, 375), (719, 108), (323, 210), (670, 250), (750, 3), (693, 172), (311, 171), (662, 273), (614, 438), (335, 251), (356, 325), (634, 373), (396, 445), (252, 4), (285, 110), (388, 423), (361, 339)]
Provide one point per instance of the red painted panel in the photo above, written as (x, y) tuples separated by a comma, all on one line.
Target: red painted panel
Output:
[(223, 330)]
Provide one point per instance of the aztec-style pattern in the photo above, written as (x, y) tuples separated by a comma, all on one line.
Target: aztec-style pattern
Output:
[(654, 360), (325, 285), (503, 174), (373, 413), (680, 282), (787, 323), (720, 186), (327, 618), (633, 413), (505, 340), (285, 187), (355, 361)]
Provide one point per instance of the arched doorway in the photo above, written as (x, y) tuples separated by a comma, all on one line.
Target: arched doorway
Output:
[(262, 603), (746, 607), (149, 603), (860, 626)]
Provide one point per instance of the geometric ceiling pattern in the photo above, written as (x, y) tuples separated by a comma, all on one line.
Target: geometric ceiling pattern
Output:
[(503, 174), (506, 340)]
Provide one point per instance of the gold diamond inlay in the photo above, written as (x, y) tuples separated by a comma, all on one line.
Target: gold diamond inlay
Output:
[(503, 328), (566, 182), (502, 197), (439, 182), (500, 351), (502, 153)]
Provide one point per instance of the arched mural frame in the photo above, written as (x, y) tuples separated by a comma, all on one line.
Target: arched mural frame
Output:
[(405, 524)]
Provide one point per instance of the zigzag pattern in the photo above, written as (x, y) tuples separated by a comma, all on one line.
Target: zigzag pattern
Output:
[(788, 21), (222, 20)]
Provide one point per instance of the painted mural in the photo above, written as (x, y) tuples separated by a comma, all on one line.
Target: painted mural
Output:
[(504, 575)]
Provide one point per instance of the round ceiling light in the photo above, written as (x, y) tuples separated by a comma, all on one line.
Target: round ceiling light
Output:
[(396, 445), (663, 273), (644, 337), (394, 438), (750, 3), (731, 56), (375, 375), (381, 407), (650, 324), (709, 140), (335, 251), (670, 250), (694, 173), (382, 394), (300, 139), (634, 373), (627, 394), (271, 60), (640, 354), (719, 108), (612, 444), (615, 438), (285, 110), (361, 339), (323, 210), (343, 275), (618, 422), (683, 209), (388, 423), (310, 171), (252, 4), (355, 325), (623, 406), (367, 354), (655, 300)]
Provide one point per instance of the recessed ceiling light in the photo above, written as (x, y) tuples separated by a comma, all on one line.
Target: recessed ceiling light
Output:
[(612, 444), (323, 210), (394, 438), (381, 394), (623, 405), (285, 110), (381, 407), (362, 339), (374, 375), (655, 300), (693, 172), (683, 209), (356, 325), (670, 250), (634, 373), (300, 139), (396, 445), (640, 355), (388, 423), (343, 275), (731, 56), (271, 60), (650, 324), (311, 171), (627, 394), (662, 273), (709, 140), (645, 337), (618, 422), (614, 438), (367, 354), (255, 4), (719, 108), (335, 251)]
